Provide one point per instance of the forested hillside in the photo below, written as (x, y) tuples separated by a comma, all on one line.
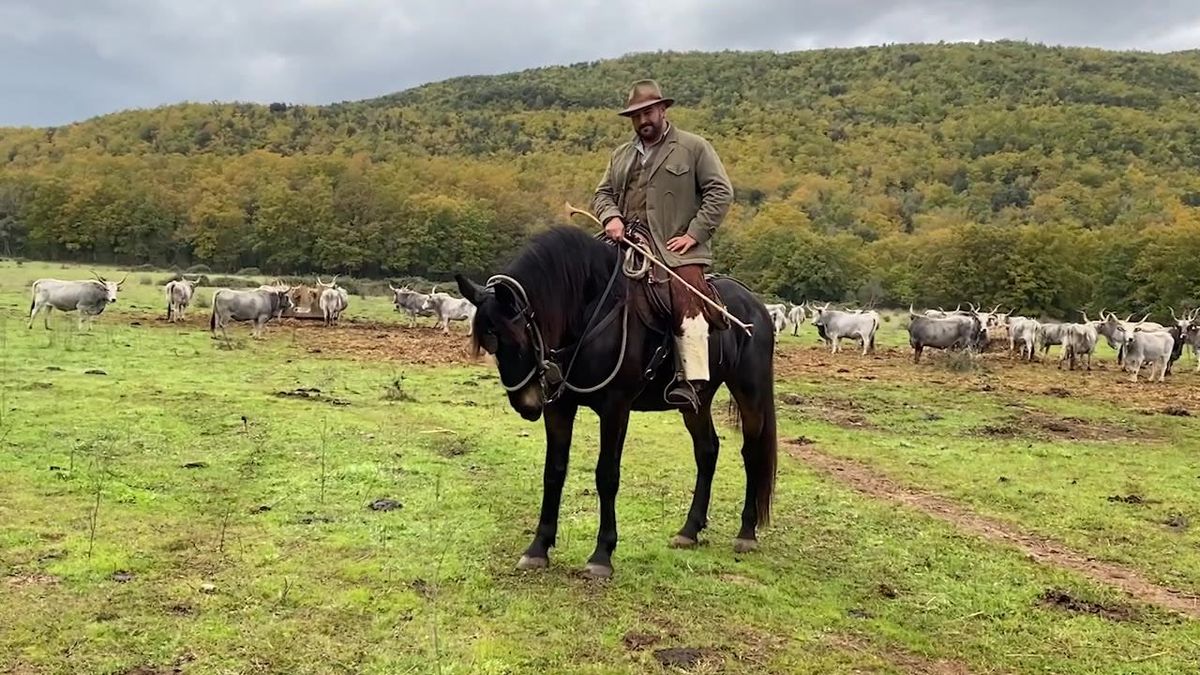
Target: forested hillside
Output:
[(1040, 177)]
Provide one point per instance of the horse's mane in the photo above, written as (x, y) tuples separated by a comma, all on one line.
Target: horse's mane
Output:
[(562, 270)]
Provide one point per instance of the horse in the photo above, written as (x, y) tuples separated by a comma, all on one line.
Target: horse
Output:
[(563, 324)]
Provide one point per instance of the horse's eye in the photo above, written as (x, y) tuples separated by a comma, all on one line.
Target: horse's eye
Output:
[(489, 342)]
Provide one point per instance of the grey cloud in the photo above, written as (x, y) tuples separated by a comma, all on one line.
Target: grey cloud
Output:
[(70, 59)]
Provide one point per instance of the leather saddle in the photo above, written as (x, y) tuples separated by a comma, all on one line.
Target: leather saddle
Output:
[(652, 298)]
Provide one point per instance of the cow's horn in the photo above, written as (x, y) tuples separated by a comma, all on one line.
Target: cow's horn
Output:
[(1173, 317), (995, 308)]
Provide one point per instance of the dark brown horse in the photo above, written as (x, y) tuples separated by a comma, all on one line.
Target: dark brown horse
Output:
[(564, 326)]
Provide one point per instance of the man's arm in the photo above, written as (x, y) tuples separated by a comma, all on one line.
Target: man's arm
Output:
[(604, 202), (716, 194)]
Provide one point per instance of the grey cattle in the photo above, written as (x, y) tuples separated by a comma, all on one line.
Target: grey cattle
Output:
[(796, 317), (406, 300), (1078, 341), (778, 319), (258, 305), (952, 332), (333, 301), (448, 308), (1189, 329), (1153, 347), (1050, 334), (835, 325), (1115, 330), (179, 294), (87, 297), (1192, 338), (1023, 332)]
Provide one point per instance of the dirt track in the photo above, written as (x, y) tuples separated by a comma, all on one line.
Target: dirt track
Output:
[(1044, 550)]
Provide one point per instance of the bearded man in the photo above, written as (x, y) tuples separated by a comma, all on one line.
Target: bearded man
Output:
[(673, 183)]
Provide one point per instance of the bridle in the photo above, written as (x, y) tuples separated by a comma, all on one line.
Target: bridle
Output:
[(551, 376)]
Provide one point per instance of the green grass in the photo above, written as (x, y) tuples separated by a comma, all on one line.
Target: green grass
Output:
[(94, 483)]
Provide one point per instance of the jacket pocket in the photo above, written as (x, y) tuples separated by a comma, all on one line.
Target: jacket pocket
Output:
[(677, 169)]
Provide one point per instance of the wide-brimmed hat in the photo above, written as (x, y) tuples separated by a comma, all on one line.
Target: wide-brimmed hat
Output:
[(644, 93)]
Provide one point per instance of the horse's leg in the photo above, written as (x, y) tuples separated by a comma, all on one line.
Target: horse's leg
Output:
[(705, 445), (614, 421), (755, 398), (560, 421)]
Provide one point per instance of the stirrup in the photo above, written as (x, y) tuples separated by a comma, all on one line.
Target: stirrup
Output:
[(682, 394)]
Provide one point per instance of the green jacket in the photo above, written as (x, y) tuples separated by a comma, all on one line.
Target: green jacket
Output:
[(687, 191)]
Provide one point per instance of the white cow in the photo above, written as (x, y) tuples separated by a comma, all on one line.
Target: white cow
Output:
[(179, 294), (88, 297)]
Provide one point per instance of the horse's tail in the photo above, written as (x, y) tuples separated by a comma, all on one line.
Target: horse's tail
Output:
[(754, 413), (766, 460)]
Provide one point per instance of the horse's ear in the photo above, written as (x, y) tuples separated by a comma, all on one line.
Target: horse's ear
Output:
[(470, 290)]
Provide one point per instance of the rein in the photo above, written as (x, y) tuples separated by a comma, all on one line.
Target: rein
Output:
[(546, 365)]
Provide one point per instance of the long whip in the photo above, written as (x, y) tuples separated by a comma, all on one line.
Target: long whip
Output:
[(741, 324)]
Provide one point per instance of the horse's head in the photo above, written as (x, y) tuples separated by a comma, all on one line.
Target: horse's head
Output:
[(504, 328)]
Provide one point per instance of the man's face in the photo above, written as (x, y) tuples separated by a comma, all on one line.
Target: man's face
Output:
[(649, 122)]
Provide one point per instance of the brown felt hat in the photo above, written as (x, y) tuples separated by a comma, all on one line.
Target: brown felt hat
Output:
[(643, 94)]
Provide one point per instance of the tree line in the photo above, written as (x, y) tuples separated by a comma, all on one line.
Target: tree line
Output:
[(1043, 178)]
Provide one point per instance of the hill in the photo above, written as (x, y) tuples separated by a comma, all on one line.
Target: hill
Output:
[(1042, 177)]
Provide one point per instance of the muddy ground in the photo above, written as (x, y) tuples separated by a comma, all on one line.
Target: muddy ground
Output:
[(996, 373)]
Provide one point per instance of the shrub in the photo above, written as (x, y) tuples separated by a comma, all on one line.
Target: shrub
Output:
[(249, 272), (962, 362), (229, 282), (146, 280), (199, 269)]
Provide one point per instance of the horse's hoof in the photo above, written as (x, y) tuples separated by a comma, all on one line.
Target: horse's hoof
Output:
[(683, 541), (529, 562), (597, 571), (745, 545)]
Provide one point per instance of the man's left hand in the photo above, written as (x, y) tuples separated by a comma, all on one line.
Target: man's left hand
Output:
[(681, 245)]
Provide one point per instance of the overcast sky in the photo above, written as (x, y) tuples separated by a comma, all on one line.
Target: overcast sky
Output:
[(66, 60)]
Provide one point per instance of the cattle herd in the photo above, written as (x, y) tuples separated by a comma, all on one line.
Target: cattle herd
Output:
[(1138, 343), (257, 306)]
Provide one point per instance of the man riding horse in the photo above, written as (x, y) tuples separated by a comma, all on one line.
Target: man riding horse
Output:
[(669, 186)]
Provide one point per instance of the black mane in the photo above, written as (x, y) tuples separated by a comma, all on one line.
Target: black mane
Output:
[(563, 270)]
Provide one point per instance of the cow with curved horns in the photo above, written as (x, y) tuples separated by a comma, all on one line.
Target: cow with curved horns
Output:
[(333, 301), (404, 299), (88, 297), (834, 325), (1189, 328), (1115, 331), (951, 332), (448, 308), (258, 306)]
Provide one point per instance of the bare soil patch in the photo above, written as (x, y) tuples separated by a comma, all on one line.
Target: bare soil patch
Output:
[(1063, 600), (1042, 549), (840, 411), (1027, 422), (999, 374), (901, 659)]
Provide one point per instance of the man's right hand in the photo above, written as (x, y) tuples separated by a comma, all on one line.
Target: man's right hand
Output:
[(615, 229)]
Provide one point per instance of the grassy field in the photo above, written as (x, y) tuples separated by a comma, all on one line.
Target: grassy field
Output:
[(170, 505)]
